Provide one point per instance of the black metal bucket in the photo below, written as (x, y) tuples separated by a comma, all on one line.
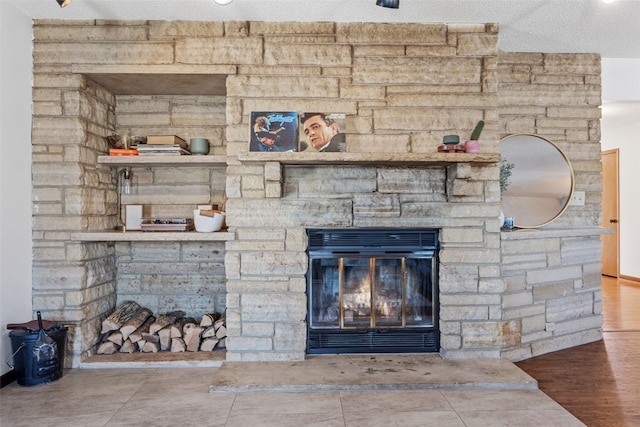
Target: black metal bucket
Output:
[(38, 355)]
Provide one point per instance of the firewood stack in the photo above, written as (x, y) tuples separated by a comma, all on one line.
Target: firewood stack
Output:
[(132, 328)]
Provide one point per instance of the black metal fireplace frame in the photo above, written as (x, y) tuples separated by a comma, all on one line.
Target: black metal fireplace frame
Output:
[(415, 243)]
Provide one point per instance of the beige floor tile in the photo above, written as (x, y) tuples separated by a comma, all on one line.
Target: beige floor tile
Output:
[(504, 400), (94, 419), (169, 416), (546, 418), (44, 401), (287, 403), (286, 420), (404, 419), (394, 401)]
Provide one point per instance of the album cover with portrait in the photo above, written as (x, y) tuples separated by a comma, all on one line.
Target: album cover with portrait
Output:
[(322, 132), (274, 131)]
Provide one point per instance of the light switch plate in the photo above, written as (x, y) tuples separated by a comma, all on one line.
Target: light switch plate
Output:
[(577, 199)]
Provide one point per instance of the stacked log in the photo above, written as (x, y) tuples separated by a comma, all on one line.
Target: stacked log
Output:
[(133, 328)]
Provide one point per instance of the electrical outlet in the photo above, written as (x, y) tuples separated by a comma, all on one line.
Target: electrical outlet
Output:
[(577, 199)]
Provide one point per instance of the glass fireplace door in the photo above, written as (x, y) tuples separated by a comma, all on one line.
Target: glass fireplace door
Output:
[(371, 292)]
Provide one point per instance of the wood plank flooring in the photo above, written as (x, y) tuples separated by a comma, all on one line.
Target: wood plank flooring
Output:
[(599, 383)]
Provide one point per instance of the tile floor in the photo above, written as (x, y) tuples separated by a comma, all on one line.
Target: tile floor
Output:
[(171, 397)]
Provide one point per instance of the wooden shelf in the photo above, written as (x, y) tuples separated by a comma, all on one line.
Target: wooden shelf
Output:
[(401, 159), (151, 236), (165, 161)]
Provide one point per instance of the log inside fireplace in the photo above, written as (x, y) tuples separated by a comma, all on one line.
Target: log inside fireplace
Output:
[(372, 291)]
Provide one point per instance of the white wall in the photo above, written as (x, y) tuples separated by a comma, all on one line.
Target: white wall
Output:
[(15, 173), (621, 129)]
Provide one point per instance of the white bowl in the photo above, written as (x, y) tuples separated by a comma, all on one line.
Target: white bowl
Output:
[(207, 224)]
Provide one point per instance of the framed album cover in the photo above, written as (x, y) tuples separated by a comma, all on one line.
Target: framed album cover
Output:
[(274, 131), (322, 132)]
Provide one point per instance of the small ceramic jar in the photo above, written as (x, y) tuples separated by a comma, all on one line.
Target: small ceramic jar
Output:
[(199, 146)]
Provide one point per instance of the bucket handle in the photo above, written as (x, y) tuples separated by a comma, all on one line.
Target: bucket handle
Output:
[(11, 357)]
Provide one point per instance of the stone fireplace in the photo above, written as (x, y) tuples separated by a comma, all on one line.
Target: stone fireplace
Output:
[(402, 87)]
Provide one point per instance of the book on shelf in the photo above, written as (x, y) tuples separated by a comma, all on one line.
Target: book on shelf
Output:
[(122, 152), (159, 149), (166, 140)]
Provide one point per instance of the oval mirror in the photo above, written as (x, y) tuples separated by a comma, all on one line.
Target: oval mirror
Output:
[(536, 180)]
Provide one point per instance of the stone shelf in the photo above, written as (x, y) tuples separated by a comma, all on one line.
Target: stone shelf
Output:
[(551, 232), (166, 161), (151, 236), (402, 159)]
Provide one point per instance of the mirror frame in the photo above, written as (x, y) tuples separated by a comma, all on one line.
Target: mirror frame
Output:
[(572, 177)]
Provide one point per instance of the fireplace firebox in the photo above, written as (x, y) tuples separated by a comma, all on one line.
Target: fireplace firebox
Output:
[(372, 291)]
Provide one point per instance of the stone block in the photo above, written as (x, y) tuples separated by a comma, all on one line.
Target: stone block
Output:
[(242, 343), (554, 275), (477, 44), (57, 131), (54, 80), (376, 205), (469, 299), (273, 190), (296, 86), (255, 329), (274, 307), (258, 284), (420, 70), (315, 213), (170, 30), (430, 50), (273, 171), (90, 33), (526, 311), (461, 235), (558, 63), (464, 313), (377, 143), (266, 28), (254, 245), (219, 50), (48, 301), (491, 286), (491, 334), (460, 187), (458, 278), (577, 325), (519, 299), (450, 342), (533, 324), (147, 53), (411, 180), (565, 341), (290, 336), (551, 291), (296, 239), (570, 307), (329, 55), (389, 34), (273, 263)]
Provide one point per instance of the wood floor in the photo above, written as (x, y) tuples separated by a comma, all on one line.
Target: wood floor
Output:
[(599, 383)]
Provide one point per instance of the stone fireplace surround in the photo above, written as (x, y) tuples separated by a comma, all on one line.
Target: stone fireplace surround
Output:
[(402, 87)]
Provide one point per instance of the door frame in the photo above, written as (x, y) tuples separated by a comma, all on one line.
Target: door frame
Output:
[(616, 153)]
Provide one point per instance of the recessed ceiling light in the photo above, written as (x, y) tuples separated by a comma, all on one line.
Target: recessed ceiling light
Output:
[(223, 2)]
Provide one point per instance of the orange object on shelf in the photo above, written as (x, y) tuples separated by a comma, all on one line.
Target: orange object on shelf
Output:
[(123, 152)]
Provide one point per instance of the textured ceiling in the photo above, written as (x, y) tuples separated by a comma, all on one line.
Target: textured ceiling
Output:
[(569, 26)]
